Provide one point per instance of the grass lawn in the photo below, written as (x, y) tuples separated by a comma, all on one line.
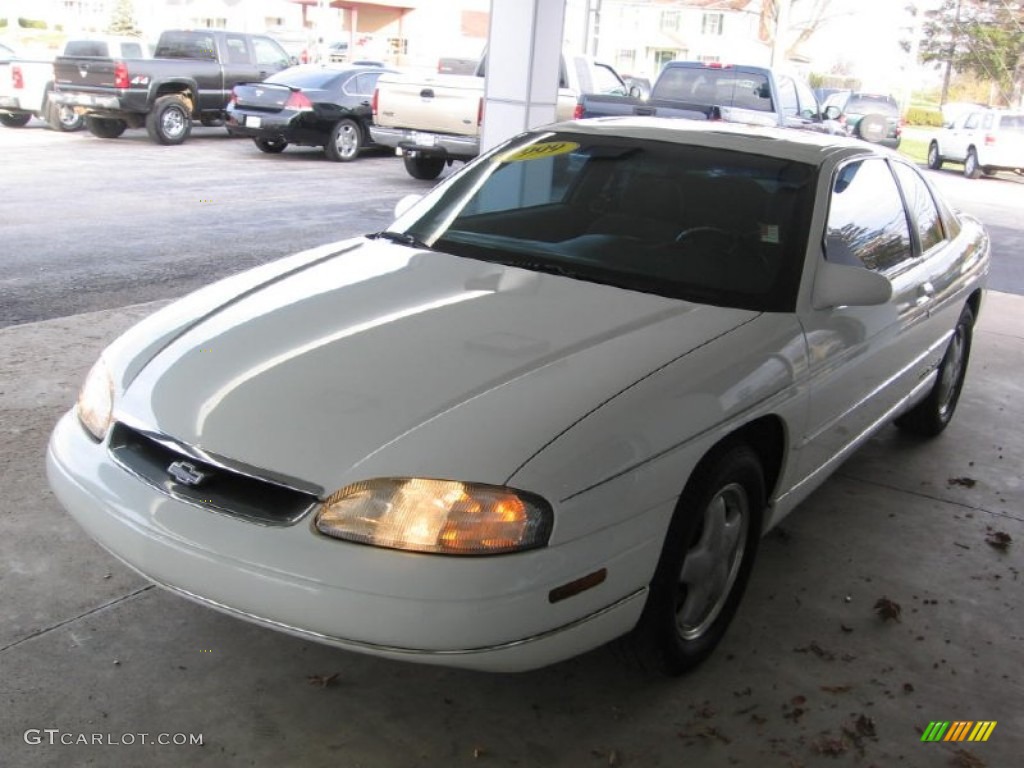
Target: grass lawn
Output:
[(914, 148)]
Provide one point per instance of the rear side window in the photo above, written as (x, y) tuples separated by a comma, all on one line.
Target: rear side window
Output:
[(362, 84), (867, 224), (922, 206), (1012, 123), (186, 45)]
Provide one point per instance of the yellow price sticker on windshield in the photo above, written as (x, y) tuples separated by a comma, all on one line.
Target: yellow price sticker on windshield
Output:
[(540, 150)]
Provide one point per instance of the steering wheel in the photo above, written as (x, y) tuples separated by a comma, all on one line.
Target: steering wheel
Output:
[(735, 240), (706, 230)]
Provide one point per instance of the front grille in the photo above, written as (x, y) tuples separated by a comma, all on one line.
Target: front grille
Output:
[(207, 483)]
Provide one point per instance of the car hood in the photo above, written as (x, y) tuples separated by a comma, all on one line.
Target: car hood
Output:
[(327, 367)]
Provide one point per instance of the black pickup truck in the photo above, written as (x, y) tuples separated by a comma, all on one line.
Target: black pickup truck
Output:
[(736, 93), (190, 77)]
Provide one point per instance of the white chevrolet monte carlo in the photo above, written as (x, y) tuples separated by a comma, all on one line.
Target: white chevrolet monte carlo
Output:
[(558, 402)]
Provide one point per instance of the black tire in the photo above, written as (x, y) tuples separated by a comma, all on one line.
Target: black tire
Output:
[(345, 142), (681, 625), (170, 120), (105, 127), (990, 172), (14, 121), (270, 146), (62, 118), (933, 414), (935, 160), (971, 168), (872, 128), (423, 166)]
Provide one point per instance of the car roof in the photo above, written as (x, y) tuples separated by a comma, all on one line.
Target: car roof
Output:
[(801, 146)]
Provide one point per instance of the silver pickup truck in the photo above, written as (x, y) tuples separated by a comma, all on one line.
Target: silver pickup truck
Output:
[(435, 119)]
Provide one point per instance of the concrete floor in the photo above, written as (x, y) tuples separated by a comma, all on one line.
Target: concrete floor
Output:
[(808, 674)]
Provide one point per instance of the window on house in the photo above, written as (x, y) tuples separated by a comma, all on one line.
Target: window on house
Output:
[(625, 59), (398, 46), (709, 59), (712, 24), (670, 21)]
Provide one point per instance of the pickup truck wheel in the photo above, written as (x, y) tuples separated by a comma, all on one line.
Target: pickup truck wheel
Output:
[(935, 160), (63, 118), (971, 168), (423, 166), (14, 121), (105, 127), (170, 120), (345, 142), (270, 146)]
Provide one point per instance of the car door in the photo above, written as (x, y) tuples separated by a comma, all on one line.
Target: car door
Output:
[(238, 66), (270, 57), (960, 136), (863, 360)]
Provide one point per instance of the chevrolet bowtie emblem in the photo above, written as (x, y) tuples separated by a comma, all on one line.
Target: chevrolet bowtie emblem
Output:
[(186, 473)]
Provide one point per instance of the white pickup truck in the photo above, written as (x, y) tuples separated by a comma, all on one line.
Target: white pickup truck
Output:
[(435, 119), (26, 83)]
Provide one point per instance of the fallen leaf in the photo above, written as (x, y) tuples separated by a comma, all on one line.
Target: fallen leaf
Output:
[(908, 688), (845, 628), (831, 746), (865, 726), (836, 688), (798, 701), (964, 759), (324, 681), (999, 540), (887, 609), (817, 650), (966, 482)]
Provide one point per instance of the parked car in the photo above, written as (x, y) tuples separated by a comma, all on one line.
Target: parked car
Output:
[(26, 84), (436, 119), (558, 401), (738, 93), (317, 106), (869, 116), (189, 79), (985, 141)]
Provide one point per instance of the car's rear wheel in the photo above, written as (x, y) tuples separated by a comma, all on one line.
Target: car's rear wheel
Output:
[(345, 142), (971, 168), (935, 160), (872, 128), (270, 146), (63, 118), (705, 563), (105, 127), (423, 166), (929, 417), (170, 120), (14, 121)]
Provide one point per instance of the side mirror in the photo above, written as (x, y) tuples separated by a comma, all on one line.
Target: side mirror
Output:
[(405, 204), (635, 92), (838, 285), (832, 112), (293, 60)]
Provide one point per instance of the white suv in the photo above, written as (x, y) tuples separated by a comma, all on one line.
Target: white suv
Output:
[(985, 141)]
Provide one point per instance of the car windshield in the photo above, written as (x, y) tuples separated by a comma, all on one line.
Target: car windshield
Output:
[(313, 79), (707, 225)]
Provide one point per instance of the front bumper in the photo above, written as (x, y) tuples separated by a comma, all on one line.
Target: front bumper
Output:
[(425, 143), (489, 613)]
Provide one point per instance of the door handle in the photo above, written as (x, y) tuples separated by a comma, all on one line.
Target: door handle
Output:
[(925, 292), (427, 93)]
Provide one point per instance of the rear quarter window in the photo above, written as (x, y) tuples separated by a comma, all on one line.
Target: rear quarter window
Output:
[(86, 48)]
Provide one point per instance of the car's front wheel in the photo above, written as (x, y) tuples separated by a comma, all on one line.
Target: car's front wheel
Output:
[(105, 127), (423, 166), (971, 168), (14, 121), (933, 414), (705, 563), (345, 142), (270, 146), (170, 120), (935, 160)]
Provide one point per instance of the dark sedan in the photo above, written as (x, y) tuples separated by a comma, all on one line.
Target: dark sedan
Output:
[(311, 105)]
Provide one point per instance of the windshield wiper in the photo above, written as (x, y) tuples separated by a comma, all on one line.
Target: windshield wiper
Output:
[(401, 238)]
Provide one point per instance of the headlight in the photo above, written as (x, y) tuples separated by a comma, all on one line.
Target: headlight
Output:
[(96, 400), (438, 516)]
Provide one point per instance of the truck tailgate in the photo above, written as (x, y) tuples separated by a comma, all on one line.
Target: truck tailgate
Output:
[(72, 72), (439, 104)]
